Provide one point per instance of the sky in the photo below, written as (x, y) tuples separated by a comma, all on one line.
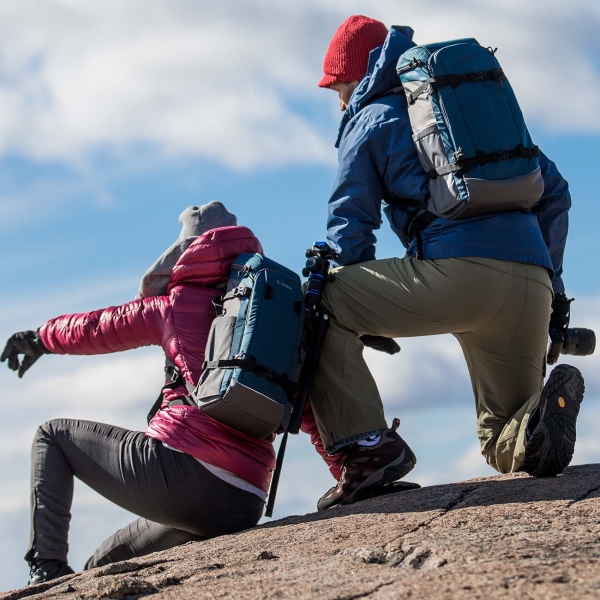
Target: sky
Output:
[(116, 116)]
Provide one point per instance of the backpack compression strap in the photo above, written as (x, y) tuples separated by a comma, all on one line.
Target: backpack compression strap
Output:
[(434, 83), (251, 365), (462, 164)]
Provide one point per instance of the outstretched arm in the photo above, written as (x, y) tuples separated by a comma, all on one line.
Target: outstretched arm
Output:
[(135, 324), (114, 329)]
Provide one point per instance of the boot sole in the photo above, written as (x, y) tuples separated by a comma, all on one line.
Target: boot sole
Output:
[(551, 447), (390, 488), (403, 465)]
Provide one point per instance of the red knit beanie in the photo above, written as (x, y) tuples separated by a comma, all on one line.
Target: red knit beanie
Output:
[(347, 57)]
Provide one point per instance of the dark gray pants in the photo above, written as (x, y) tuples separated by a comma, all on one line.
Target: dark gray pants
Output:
[(177, 499)]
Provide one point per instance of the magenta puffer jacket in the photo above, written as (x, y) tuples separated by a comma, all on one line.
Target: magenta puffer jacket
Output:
[(180, 323)]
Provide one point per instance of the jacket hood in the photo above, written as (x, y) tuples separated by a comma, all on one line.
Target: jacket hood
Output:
[(208, 259), (381, 74)]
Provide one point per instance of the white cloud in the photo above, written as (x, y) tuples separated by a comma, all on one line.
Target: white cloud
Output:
[(427, 371), (471, 464), (235, 82), (99, 388), (178, 77)]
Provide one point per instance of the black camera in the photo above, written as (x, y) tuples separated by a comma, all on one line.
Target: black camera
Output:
[(576, 341)]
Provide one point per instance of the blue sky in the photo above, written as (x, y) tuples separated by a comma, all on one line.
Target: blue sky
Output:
[(117, 115)]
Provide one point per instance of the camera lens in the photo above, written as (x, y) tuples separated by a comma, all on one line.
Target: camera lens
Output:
[(579, 342)]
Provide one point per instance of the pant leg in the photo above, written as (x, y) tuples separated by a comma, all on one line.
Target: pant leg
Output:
[(139, 538), (396, 298), (134, 471), (506, 361), (344, 395)]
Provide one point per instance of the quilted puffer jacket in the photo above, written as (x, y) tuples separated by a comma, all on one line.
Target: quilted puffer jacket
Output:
[(180, 323)]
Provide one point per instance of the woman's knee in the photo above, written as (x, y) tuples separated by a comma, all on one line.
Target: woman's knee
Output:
[(45, 430), (50, 430)]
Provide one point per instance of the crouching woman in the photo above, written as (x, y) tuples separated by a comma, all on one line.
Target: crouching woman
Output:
[(188, 477)]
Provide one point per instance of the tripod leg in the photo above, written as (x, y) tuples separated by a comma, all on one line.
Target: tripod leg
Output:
[(276, 474), (311, 365)]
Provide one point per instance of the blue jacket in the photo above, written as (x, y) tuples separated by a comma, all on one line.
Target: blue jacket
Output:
[(378, 160)]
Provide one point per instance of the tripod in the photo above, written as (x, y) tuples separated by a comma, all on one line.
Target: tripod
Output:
[(315, 328)]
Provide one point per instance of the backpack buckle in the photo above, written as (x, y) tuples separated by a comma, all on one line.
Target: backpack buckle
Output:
[(476, 76), (172, 373), (245, 271), (500, 155), (458, 155), (242, 291)]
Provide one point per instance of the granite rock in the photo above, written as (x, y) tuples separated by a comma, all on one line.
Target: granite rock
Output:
[(509, 536)]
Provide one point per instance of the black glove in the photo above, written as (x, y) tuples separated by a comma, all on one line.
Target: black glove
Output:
[(559, 323), (561, 313), (27, 343), (378, 342)]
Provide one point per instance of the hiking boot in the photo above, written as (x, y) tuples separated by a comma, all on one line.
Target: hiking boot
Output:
[(370, 467), (550, 448), (43, 570)]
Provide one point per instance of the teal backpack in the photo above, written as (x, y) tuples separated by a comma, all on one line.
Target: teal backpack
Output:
[(253, 356), (469, 131)]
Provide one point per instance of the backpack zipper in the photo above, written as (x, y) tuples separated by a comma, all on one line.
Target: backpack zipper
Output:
[(415, 63)]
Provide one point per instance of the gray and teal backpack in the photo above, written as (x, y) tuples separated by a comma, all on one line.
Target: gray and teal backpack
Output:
[(469, 131), (253, 354)]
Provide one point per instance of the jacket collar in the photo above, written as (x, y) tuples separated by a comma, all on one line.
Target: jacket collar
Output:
[(381, 73)]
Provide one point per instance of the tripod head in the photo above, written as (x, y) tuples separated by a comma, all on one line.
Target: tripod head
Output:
[(317, 271)]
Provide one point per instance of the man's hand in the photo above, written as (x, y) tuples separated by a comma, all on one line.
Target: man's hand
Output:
[(378, 342), (561, 313), (27, 343), (559, 323)]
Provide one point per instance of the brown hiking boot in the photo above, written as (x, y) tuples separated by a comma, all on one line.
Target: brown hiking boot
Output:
[(550, 448), (370, 467)]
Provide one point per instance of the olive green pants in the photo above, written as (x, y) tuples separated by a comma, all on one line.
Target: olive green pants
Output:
[(499, 312)]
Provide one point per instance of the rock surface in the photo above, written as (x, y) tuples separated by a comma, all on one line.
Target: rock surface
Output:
[(508, 536)]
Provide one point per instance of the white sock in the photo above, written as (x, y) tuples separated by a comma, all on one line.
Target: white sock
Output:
[(370, 441)]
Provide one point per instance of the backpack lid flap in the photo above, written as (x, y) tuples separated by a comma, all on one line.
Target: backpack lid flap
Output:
[(412, 64)]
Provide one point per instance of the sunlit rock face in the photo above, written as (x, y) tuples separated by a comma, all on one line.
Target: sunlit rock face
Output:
[(509, 536)]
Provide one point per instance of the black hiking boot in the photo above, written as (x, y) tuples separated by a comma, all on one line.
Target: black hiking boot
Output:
[(552, 443), (43, 570), (368, 468)]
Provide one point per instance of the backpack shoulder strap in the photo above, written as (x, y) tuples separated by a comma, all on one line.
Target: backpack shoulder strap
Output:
[(420, 219), (173, 373)]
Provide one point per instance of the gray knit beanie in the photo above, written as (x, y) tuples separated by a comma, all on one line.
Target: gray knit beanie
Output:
[(195, 221)]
